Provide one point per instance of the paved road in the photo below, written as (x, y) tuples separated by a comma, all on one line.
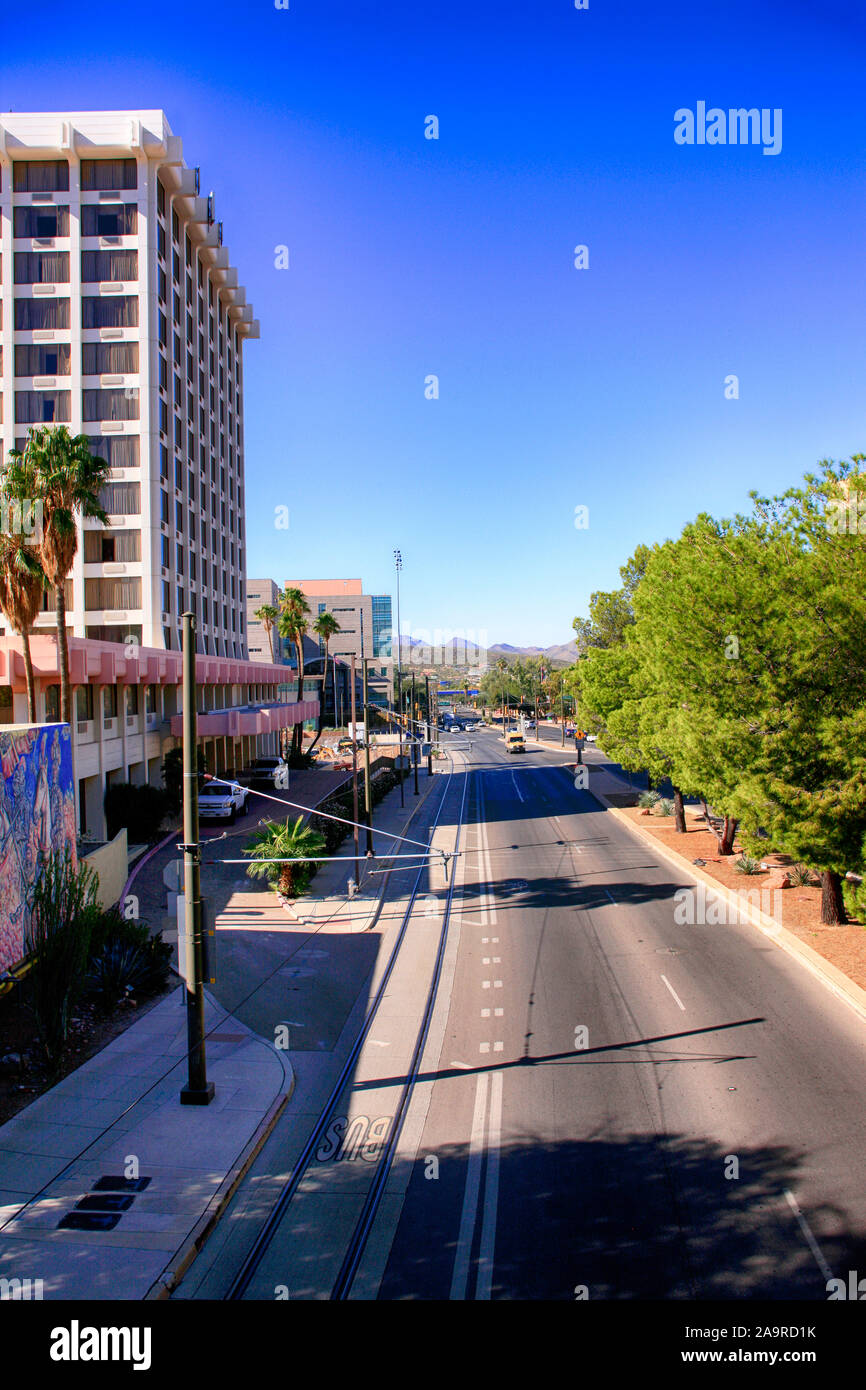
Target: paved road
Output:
[(607, 1167), (614, 1106)]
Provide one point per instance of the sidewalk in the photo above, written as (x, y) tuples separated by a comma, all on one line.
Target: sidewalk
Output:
[(118, 1116), (109, 1162)]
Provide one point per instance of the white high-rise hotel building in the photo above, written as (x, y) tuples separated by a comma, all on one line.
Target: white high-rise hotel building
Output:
[(124, 319)]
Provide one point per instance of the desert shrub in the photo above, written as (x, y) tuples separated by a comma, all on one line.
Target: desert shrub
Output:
[(125, 958), (120, 971), (801, 876), (142, 809), (648, 799), (665, 806), (58, 935), (746, 864)]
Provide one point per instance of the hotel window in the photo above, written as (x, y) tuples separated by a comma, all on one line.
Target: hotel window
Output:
[(166, 554), (164, 505), (108, 219), (40, 176), (111, 311), (109, 702), (151, 699), (132, 700), (42, 407), (178, 568), (109, 266), (161, 285), (41, 267), (104, 174), (109, 405), (121, 499), (178, 516), (36, 360), (52, 704), (175, 225), (112, 592), (84, 702), (111, 546), (122, 451), (166, 597), (99, 358), (40, 221), (163, 374), (160, 242), (160, 199)]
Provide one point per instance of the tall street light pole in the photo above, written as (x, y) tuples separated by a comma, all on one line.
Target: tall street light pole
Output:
[(398, 565), (198, 1090), (368, 802)]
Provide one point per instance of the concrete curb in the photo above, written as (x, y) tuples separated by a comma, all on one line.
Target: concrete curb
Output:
[(824, 970), (163, 1287)]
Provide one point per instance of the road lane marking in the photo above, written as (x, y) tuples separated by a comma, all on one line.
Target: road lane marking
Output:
[(497, 984), (460, 1275), (498, 1046), (491, 1191), (485, 984), (516, 788), (485, 1013), (674, 993), (498, 1013), (484, 1047), (810, 1239)]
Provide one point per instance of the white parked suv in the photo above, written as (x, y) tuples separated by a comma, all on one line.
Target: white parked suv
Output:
[(221, 801), (273, 772)]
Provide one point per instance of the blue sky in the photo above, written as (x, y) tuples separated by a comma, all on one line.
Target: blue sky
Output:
[(559, 388)]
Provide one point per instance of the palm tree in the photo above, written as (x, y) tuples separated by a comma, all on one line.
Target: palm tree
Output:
[(67, 479), (22, 584), (292, 623), (326, 627), (282, 841), (267, 616)]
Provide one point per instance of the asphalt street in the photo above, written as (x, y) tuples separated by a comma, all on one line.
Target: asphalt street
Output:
[(609, 1105)]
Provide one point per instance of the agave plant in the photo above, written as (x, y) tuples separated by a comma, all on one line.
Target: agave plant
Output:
[(665, 806), (746, 864), (282, 842), (648, 800)]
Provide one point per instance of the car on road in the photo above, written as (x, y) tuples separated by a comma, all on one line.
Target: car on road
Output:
[(270, 772), (514, 742), (222, 801), (529, 723)]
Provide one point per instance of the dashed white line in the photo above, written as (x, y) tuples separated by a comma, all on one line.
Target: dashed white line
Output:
[(470, 1196), (491, 1191), (810, 1239), (674, 993)]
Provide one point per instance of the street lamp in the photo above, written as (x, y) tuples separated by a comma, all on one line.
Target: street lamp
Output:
[(398, 565)]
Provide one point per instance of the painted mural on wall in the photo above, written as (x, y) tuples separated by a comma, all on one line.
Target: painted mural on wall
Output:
[(37, 817)]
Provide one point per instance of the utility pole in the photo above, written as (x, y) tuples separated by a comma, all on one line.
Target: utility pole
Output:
[(355, 776), (368, 800), (429, 731), (562, 716), (398, 565), (368, 797), (198, 1090), (414, 735)]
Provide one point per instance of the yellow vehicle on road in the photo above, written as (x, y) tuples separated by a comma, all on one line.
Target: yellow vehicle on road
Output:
[(514, 742)]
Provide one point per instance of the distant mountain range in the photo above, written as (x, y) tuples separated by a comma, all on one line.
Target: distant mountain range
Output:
[(463, 653)]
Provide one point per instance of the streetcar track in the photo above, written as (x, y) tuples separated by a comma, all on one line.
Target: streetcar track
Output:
[(360, 1235)]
